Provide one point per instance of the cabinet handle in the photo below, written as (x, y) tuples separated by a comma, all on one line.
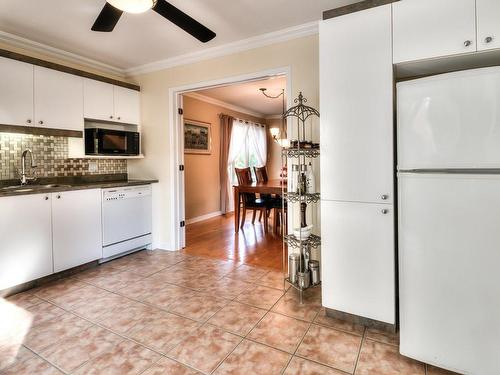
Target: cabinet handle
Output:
[(46, 198), (384, 197), (58, 196), (28, 121), (468, 43), (384, 211), (119, 118), (40, 122), (488, 39), (110, 117)]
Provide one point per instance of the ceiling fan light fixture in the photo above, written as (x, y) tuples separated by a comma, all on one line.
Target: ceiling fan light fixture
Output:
[(133, 6)]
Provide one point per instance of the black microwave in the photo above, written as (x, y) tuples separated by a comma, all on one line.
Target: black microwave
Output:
[(111, 142)]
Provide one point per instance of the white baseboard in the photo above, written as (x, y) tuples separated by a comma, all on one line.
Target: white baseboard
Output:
[(203, 217)]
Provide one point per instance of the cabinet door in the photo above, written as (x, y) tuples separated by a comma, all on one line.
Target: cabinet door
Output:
[(25, 239), (357, 107), (126, 105), (425, 29), (98, 100), (357, 259), (16, 92), (77, 230), (488, 27), (58, 99)]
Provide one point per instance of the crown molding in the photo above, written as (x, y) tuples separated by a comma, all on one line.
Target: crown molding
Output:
[(220, 103), (30, 45), (274, 117), (290, 33)]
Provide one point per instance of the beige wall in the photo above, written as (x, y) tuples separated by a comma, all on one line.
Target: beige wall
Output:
[(301, 55), (273, 151), (201, 176)]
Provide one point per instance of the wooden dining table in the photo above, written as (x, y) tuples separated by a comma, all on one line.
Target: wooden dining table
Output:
[(269, 187)]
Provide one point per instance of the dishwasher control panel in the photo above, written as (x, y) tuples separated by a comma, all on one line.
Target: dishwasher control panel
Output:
[(118, 194)]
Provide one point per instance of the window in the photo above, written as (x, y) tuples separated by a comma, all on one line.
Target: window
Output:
[(248, 148)]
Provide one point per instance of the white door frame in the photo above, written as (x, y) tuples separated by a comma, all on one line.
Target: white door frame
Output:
[(177, 145)]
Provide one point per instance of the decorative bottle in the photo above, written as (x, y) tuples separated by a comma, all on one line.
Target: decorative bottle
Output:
[(311, 180)]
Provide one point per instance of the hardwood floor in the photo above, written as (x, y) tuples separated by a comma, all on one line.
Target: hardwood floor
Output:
[(216, 238)]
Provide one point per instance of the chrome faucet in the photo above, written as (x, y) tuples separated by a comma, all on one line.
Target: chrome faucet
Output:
[(23, 176)]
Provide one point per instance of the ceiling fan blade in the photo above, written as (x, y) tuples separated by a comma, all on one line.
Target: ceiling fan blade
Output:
[(107, 19), (185, 22)]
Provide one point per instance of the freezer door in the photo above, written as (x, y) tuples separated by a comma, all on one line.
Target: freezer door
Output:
[(450, 121), (449, 257)]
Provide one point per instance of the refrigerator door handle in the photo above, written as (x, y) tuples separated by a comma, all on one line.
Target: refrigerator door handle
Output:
[(450, 171)]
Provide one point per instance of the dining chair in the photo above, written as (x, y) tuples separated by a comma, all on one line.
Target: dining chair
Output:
[(274, 202), (250, 200), (261, 174)]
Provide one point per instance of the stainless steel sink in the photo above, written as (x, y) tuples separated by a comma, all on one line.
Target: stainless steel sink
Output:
[(12, 187), (27, 188), (52, 186)]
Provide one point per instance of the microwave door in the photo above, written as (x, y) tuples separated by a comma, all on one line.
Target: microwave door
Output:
[(114, 143)]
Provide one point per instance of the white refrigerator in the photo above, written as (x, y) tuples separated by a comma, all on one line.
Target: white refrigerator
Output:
[(449, 220)]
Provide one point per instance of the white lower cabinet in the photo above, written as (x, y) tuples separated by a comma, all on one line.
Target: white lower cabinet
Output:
[(76, 228), (358, 259), (25, 239)]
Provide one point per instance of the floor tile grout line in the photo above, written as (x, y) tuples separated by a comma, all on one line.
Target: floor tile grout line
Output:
[(27, 360), (335, 329), (323, 364), (359, 351), (124, 337), (300, 342), (246, 336), (98, 324)]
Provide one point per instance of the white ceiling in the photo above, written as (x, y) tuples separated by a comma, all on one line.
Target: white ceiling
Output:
[(139, 39), (248, 96)]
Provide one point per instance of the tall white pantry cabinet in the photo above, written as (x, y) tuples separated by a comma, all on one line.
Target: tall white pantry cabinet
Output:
[(357, 167)]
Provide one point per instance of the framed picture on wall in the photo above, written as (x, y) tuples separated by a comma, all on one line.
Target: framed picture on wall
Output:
[(197, 137)]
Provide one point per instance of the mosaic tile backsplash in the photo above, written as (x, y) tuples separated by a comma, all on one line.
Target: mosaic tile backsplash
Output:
[(51, 157)]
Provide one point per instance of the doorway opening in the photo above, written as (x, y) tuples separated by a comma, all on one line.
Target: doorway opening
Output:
[(208, 214)]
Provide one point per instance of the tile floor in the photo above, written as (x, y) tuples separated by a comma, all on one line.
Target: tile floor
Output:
[(157, 312)]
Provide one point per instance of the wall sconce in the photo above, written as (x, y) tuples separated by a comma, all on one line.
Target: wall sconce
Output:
[(275, 133)]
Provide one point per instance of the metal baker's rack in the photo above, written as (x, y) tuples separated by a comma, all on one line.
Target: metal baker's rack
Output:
[(300, 152)]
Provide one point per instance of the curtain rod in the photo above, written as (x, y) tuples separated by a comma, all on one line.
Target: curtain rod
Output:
[(249, 122), (243, 120)]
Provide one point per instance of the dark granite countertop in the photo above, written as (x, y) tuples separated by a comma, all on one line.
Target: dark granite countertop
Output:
[(58, 184)]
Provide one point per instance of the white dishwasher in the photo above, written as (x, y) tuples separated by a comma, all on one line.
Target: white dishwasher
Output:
[(126, 220)]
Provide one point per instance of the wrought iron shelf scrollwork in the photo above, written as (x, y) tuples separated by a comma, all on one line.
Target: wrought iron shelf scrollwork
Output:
[(304, 197), (295, 152), (313, 241)]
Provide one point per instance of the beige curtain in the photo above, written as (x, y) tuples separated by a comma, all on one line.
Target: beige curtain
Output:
[(226, 126)]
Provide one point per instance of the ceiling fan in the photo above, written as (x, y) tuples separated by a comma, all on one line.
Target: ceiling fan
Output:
[(113, 9)]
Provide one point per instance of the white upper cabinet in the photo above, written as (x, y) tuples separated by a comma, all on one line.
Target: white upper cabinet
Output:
[(488, 25), (103, 101), (98, 100), (58, 99), (76, 228), (127, 105), (25, 239), (16, 92), (425, 29), (356, 93)]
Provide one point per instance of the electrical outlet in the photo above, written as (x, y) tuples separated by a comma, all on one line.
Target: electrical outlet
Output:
[(93, 166)]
